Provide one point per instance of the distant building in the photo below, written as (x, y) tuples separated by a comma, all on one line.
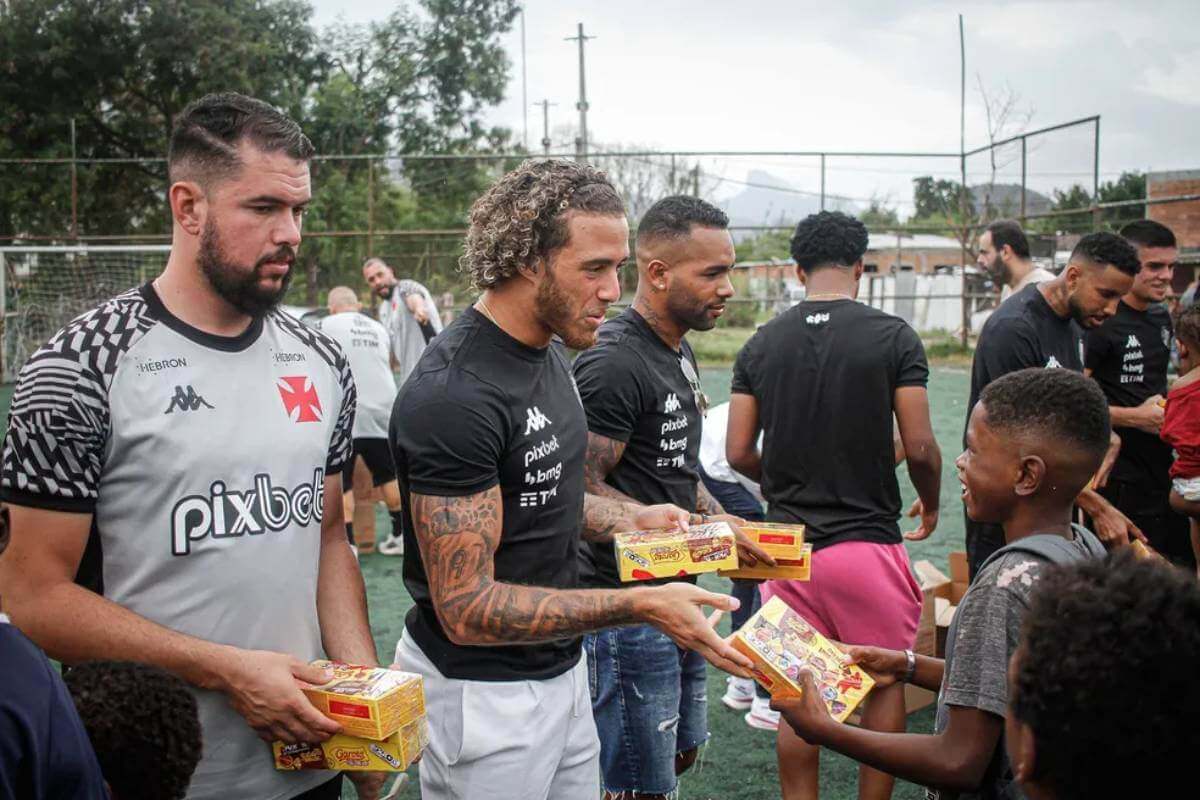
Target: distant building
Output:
[(922, 253), (1183, 217)]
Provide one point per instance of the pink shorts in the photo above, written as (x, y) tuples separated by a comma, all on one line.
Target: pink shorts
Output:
[(859, 593)]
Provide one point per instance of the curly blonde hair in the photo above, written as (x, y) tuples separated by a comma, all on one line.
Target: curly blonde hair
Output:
[(523, 216)]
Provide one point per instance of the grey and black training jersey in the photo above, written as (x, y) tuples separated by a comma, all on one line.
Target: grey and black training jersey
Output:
[(202, 459), (365, 343)]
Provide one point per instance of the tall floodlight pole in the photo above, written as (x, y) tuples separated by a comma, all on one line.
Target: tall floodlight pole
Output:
[(581, 141), (545, 104), (524, 86)]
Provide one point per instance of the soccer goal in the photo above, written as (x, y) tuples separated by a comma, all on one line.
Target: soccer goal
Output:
[(44, 288)]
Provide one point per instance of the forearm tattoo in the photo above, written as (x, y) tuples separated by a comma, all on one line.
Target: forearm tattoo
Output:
[(705, 502), (602, 455), (604, 516), (458, 537)]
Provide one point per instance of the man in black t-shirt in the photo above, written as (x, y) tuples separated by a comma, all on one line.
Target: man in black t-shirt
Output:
[(1128, 356), (1042, 326), (823, 382), (641, 392), (488, 437)]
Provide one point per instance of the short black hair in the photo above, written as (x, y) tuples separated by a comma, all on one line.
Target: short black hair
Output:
[(1053, 403), (143, 724), (1187, 326), (1106, 673), (674, 217), (1148, 233), (206, 135), (827, 239), (1008, 232), (1108, 248)]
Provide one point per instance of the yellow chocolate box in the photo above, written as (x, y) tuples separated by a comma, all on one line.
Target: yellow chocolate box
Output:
[(670, 552), (781, 643), (341, 752), (785, 569), (777, 539), (372, 702)]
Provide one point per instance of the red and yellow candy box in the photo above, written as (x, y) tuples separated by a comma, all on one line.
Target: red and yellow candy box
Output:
[(785, 569), (777, 539), (669, 552), (341, 752), (372, 702), (781, 643)]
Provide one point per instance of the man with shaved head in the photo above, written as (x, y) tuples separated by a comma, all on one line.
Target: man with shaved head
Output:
[(406, 310), (644, 407), (365, 343)]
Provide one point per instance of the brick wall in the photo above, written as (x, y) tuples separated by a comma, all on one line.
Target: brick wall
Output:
[(1183, 218)]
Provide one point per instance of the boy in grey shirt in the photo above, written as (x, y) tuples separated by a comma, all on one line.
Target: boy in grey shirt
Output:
[(1034, 440)]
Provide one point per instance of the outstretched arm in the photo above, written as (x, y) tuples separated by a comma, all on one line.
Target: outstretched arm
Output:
[(459, 536), (603, 454)]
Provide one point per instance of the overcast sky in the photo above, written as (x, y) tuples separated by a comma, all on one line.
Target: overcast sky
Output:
[(878, 76)]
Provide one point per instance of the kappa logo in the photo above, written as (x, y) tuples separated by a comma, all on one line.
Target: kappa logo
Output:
[(535, 420), (186, 400), (1053, 363), (671, 404), (817, 319), (300, 399), (1132, 342)]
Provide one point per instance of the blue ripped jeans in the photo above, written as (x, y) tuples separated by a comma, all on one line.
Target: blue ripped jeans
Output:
[(650, 702)]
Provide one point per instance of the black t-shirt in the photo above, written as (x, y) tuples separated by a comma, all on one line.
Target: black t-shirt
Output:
[(482, 409), (634, 391), (44, 749), (1128, 356), (825, 376), (1023, 332)]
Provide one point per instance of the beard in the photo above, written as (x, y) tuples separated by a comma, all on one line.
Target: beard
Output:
[(1085, 320), (235, 284), (687, 311), (553, 308), (999, 271), (385, 292)]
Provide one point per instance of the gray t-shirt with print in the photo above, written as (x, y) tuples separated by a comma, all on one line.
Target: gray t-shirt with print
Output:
[(983, 636)]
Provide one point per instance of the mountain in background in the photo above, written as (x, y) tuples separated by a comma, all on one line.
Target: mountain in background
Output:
[(1006, 199), (761, 203)]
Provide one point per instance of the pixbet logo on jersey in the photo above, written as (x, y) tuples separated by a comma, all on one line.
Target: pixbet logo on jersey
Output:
[(223, 513), (299, 397)]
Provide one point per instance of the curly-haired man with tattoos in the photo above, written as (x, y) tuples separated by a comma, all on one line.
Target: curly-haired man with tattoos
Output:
[(644, 407), (489, 438)]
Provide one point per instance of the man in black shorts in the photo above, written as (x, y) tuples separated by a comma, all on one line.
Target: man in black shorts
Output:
[(645, 408), (1128, 356), (365, 343), (489, 438), (1042, 326)]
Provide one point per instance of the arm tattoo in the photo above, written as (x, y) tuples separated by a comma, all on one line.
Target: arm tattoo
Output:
[(604, 516), (458, 537), (705, 502), (603, 454)]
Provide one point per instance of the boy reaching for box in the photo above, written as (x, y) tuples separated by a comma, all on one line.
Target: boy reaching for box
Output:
[(1181, 425), (1033, 441)]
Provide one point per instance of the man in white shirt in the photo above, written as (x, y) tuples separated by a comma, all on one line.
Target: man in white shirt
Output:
[(1004, 255), (365, 343), (406, 310)]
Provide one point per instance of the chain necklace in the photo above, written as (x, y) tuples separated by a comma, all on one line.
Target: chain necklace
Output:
[(487, 312), (828, 296)]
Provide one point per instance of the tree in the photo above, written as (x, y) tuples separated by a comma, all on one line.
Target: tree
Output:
[(1129, 186), (879, 214), (938, 200)]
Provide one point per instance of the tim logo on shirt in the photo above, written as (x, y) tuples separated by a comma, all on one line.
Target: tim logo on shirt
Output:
[(535, 420), (300, 399)]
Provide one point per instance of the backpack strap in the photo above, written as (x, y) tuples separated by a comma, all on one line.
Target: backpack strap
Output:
[(1055, 549)]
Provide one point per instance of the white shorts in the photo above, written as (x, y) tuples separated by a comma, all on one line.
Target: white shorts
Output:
[(1187, 488), (506, 740)]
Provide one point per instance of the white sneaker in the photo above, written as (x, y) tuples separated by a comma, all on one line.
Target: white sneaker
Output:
[(739, 693), (391, 546), (761, 716)]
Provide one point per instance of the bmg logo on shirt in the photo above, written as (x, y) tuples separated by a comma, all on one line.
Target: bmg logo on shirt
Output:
[(223, 513)]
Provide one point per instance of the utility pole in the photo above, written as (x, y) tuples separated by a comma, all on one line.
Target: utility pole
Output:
[(524, 85), (545, 104), (581, 141), (696, 181)]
